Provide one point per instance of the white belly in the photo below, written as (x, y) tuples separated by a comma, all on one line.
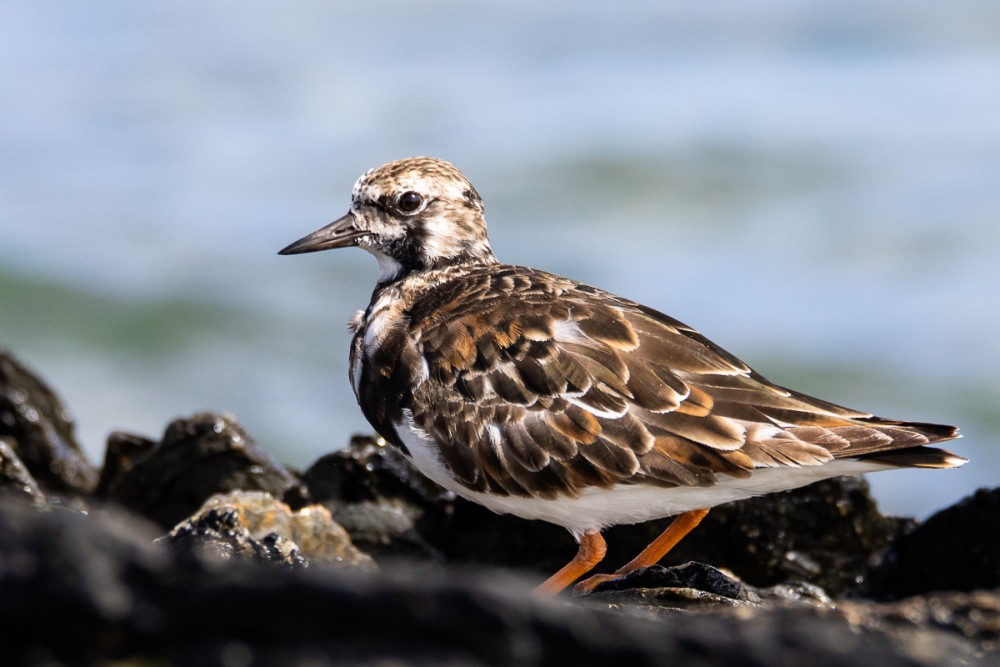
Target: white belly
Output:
[(597, 508)]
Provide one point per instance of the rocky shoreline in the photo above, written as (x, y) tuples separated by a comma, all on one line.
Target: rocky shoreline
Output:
[(199, 548)]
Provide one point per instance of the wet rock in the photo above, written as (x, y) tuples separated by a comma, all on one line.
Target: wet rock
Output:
[(388, 507), (369, 468), (956, 549), (79, 589), (954, 628), (696, 576), (827, 534), (253, 524), (196, 459), (220, 534), (699, 587), (34, 418), (975, 616), (122, 453), (15, 480), (690, 586), (96, 588), (67, 579), (796, 591)]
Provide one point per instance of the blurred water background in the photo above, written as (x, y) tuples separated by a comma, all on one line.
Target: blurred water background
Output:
[(814, 185)]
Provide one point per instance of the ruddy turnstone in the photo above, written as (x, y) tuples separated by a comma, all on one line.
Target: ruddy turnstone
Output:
[(539, 396)]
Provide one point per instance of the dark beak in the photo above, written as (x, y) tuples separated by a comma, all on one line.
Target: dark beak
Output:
[(340, 233)]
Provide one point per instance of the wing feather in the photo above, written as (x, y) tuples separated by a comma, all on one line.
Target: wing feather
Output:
[(535, 385)]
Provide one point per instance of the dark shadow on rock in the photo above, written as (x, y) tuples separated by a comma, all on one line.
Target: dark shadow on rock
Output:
[(93, 589), (477, 535), (70, 578), (40, 427)]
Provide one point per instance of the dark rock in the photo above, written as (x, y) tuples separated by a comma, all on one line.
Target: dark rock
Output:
[(122, 453), (77, 589), (689, 587), (219, 533), (70, 578), (41, 428), (477, 535), (975, 616), (252, 524), (197, 458), (369, 469), (15, 480), (956, 549), (389, 508), (695, 576), (795, 591), (827, 534), (699, 587)]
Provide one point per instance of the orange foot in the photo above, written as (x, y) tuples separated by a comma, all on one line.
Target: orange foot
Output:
[(674, 533)]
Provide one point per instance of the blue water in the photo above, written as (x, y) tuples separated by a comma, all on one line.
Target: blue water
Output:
[(814, 185)]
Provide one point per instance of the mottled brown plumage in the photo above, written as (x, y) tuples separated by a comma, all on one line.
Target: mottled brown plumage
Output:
[(538, 395)]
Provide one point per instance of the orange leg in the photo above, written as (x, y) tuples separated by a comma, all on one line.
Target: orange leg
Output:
[(591, 552), (674, 533)]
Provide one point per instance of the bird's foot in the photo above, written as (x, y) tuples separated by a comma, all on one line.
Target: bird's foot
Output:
[(590, 583)]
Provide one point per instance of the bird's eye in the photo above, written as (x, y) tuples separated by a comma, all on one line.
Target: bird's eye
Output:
[(409, 202)]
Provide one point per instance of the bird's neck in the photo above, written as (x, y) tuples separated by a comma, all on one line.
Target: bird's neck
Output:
[(392, 270)]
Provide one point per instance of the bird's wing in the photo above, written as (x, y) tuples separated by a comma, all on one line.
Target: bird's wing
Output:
[(537, 385)]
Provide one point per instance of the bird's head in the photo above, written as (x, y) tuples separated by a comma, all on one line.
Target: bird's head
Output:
[(413, 215)]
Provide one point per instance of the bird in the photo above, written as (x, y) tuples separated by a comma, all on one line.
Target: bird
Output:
[(546, 398)]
